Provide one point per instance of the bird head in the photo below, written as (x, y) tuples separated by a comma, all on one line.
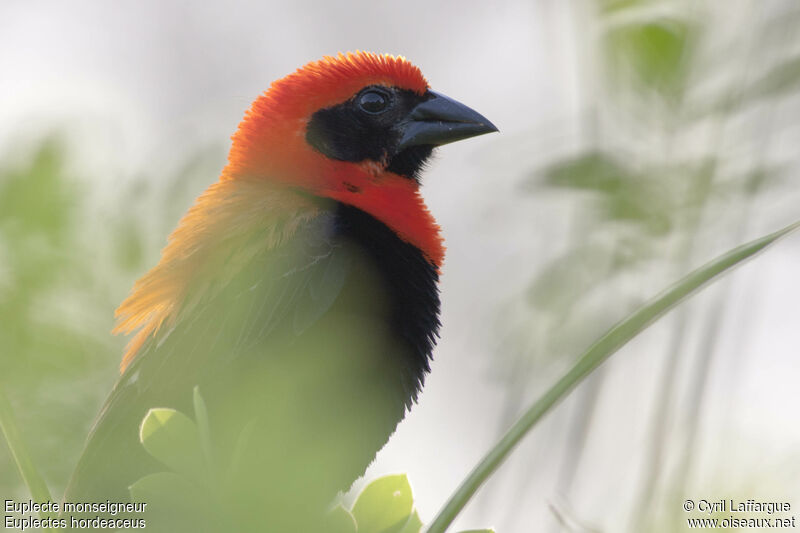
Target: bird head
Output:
[(357, 114), (355, 129)]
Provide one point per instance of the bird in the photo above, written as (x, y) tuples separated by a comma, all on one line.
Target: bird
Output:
[(299, 293)]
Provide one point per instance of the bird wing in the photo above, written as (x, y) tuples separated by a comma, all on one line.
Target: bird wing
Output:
[(273, 298)]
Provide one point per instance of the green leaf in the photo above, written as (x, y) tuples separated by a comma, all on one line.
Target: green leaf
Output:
[(172, 438), (602, 349), (624, 195), (203, 427), (173, 503), (653, 52), (384, 505), (781, 79), (611, 6), (236, 463), (591, 170), (413, 525), (339, 520), (164, 489)]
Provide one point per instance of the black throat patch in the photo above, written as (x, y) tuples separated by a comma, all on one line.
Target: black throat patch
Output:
[(411, 282)]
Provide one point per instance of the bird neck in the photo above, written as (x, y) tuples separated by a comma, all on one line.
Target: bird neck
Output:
[(395, 201)]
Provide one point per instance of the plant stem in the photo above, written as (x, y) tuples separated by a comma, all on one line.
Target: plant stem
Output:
[(34, 481), (609, 343)]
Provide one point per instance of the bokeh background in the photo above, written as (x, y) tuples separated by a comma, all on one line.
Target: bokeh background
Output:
[(638, 140)]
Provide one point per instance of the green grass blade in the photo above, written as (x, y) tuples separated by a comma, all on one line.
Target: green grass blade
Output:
[(609, 343), (19, 451), (203, 429)]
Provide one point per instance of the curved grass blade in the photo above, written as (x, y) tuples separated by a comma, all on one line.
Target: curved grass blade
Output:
[(609, 343), (30, 475)]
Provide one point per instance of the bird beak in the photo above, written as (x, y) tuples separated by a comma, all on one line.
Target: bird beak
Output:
[(441, 120)]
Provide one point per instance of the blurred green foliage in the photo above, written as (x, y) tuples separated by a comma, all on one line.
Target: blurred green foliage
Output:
[(652, 54), (52, 354), (68, 255), (190, 494), (654, 182), (679, 115)]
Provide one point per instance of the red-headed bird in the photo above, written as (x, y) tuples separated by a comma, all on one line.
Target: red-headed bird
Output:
[(299, 292)]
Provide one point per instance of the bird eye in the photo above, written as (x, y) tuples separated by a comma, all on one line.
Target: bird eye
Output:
[(373, 102)]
